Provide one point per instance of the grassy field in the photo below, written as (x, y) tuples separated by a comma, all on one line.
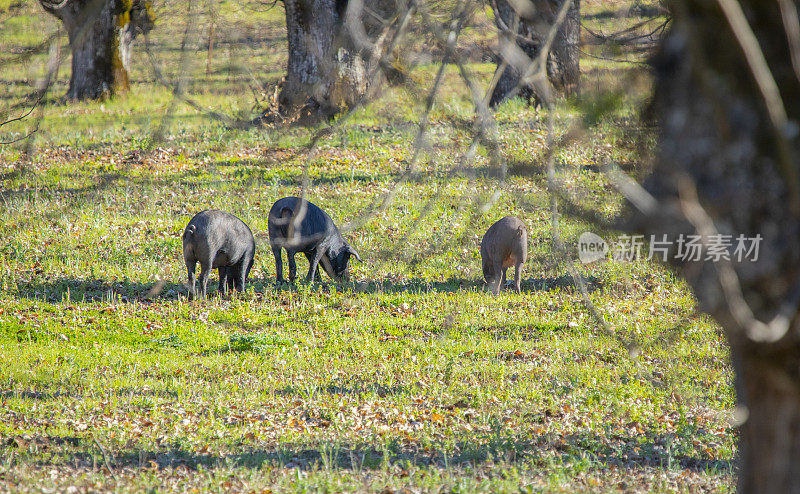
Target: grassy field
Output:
[(408, 378)]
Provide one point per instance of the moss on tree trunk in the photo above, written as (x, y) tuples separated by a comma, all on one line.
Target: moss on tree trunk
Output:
[(100, 34)]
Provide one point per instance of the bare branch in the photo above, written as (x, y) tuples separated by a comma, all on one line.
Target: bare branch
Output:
[(52, 6), (633, 192), (754, 329), (625, 36), (35, 104), (536, 73), (769, 91), (178, 91), (21, 138), (791, 25)]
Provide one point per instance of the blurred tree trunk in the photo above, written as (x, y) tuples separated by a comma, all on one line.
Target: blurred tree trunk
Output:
[(563, 64), (729, 142), (100, 34), (526, 25), (325, 74)]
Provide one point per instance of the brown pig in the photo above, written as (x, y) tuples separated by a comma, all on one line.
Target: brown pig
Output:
[(504, 244)]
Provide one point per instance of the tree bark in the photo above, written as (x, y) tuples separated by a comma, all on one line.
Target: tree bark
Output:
[(100, 33), (769, 447), (722, 141), (563, 63), (325, 74), (528, 31)]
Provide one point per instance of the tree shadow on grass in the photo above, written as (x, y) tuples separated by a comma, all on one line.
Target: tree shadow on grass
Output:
[(33, 395), (54, 395), (451, 285), (353, 386), (528, 332), (625, 452), (98, 290), (638, 10), (69, 289)]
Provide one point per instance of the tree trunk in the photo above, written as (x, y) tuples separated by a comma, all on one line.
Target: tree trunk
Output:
[(325, 74), (728, 144), (100, 33), (769, 447), (563, 63), (528, 30)]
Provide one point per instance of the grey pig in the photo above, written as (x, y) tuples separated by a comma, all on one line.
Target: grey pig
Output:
[(504, 244), (217, 239), (298, 225)]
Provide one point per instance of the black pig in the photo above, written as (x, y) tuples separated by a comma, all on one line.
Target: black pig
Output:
[(298, 225), (504, 244), (217, 239)]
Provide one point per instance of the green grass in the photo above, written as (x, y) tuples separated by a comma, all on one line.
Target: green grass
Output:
[(410, 375)]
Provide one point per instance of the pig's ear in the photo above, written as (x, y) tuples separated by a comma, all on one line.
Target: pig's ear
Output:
[(354, 253)]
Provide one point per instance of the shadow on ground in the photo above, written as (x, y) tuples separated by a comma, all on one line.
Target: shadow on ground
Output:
[(451, 285), (649, 449), (54, 395), (98, 290)]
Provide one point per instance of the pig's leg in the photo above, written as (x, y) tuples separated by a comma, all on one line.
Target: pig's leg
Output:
[(503, 280), (247, 270), (518, 277), (223, 280), (205, 270), (242, 270), (276, 251), (292, 265), (232, 277), (190, 266), (313, 266)]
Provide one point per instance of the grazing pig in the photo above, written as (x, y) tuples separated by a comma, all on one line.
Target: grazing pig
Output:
[(217, 239), (299, 226), (504, 244)]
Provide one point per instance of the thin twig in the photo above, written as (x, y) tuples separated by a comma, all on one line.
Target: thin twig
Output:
[(791, 24), (21, 138), (771, 94), (105, 457), (617, 37), (26, 113)]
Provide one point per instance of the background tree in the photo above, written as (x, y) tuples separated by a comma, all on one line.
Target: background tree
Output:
[(523, 25), (727, 164), (100, 34), (333, 44)]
